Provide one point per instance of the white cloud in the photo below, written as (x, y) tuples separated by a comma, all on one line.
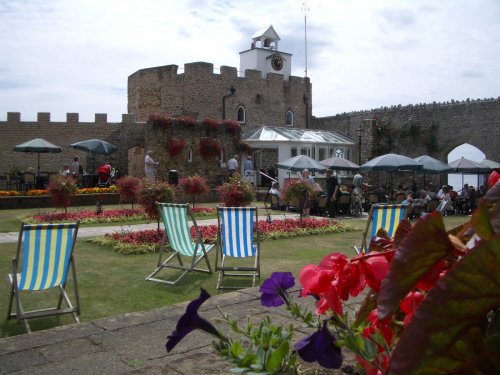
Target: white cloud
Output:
[(75, 56)]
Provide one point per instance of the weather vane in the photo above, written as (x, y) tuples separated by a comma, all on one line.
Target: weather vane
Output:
[(305, 8)]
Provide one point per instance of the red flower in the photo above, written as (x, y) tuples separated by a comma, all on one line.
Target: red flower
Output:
[(409, 304)]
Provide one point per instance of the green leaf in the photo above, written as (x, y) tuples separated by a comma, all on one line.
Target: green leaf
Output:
[(444, 331), (276, 358), (425, 245), (236, 349), (481, 222)]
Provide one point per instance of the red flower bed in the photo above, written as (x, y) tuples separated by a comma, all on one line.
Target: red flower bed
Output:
[(209, 232), (87, 216)]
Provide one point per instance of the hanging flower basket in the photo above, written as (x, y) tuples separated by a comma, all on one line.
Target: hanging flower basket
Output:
[(175, 146), (210, 147), (187, 120), (210, 123), (159, 120), (233, 127), (245, 147)]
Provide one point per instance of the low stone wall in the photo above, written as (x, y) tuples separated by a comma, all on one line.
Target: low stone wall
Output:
[(44, 201)]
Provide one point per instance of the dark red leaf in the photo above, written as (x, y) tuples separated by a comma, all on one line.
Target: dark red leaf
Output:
[(444, 330), (425, 245)]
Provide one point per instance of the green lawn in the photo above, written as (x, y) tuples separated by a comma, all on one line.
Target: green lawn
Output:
[(111, 283)]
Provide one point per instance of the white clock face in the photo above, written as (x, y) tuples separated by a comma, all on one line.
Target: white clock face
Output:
[(339, 153), (277, 62)]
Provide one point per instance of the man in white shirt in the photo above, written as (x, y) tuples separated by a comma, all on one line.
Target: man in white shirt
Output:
[(150, 166), (232, 165)]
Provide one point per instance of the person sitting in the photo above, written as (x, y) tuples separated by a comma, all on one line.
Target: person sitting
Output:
[(275, 190), (65, 171), (104, 174), (448, 209), (381, 194), (419, 204), (306, 177)]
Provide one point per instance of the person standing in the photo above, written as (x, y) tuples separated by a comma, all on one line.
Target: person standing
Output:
[(248, 166), (232, 165), (150, 166), (75, 168), (332, 189)]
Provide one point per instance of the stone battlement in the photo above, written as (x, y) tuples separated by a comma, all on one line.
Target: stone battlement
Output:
[(449, 103), (71, 118)]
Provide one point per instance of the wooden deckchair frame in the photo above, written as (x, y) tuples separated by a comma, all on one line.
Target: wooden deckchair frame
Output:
[(222, 254), (175, 217), (390, 222), (44, 263)]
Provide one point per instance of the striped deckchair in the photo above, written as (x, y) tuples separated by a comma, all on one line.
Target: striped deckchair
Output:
[(237, 229), (175, 220), (43, 263), (387, 216)]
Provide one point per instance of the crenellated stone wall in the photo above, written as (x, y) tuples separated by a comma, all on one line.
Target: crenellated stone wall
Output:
[(424, 129), (200, 92), (124, 135)]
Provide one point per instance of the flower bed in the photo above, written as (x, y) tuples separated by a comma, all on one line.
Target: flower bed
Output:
[(146, 241), (106, 216)]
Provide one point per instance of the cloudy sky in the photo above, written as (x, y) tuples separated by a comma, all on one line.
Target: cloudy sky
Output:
[(75, 56)]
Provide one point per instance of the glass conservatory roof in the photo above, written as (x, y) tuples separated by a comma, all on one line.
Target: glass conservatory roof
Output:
[(271, 133)]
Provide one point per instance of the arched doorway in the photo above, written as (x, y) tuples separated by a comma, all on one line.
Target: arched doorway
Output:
[(457, 180)]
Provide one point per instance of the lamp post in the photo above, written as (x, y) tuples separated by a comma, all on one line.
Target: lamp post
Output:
[(360, 132), (233, 90)]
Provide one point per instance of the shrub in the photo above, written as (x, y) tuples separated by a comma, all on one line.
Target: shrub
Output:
[(153, 192), (129, 188), (175, 146), (210, 147), (61, 189), (193, 185), (236, 192)]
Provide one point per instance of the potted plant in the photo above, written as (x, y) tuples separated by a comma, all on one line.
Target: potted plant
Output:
[(194, 185), (236, 192)]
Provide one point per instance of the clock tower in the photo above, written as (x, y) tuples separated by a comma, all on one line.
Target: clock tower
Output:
[(265, 56)]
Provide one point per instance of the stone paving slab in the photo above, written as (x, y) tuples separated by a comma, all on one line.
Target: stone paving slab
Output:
[(135, 343)]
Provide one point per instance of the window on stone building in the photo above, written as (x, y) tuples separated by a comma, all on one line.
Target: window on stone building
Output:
[(240, 115), (190, 155), (289, 118), (293, 152)]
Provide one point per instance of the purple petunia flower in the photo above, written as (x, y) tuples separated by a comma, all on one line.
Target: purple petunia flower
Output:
[(274, 289), (320, 346), (191, 321)]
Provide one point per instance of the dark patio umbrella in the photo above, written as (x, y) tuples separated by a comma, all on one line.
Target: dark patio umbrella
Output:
[(490, 164), (340, 164), (431, 165), (39, 146), (95, 146), (464, 165), (391, 163), (301, 162)]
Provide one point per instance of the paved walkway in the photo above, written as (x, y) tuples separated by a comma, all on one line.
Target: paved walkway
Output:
[(135, 343)]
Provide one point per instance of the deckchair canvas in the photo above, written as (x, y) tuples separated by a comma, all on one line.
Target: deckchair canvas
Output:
[(175, 220), (386, 216), (43, 259), (237, 228)]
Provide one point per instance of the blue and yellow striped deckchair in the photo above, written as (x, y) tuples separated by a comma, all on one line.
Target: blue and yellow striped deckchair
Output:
[(46, 258), (175, 220), (237, 228), (387, 216)]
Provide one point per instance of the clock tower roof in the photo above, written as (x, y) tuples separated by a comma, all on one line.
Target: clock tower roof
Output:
[(268, 38)]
